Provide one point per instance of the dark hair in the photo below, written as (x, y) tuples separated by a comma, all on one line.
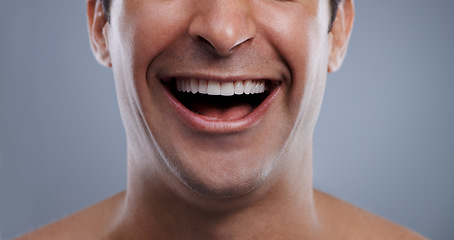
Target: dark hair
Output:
[(106, 8), (334, 4)]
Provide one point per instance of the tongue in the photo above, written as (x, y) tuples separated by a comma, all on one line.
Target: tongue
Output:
[(230, 113)]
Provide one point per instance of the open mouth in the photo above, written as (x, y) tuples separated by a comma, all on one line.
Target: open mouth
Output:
[(221, 100)]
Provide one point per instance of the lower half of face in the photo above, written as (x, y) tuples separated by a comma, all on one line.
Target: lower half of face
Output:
[(220, 90), (222, 162)]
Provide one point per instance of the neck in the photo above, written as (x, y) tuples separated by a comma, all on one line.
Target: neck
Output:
[(282, 207)]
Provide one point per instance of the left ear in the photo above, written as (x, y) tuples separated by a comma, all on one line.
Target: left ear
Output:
[(340, 34), (97, 31)]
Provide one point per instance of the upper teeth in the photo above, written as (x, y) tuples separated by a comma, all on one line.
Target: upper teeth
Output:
[(221, 88)]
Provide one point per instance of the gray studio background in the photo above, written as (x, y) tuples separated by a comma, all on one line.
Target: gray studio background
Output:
[(385, 138)]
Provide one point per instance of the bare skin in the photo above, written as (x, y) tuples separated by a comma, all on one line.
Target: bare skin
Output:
[(339, 219), (240, 173)]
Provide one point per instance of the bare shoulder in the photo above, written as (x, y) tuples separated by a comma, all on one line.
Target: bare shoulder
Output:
[(346, 221), (89, 223)]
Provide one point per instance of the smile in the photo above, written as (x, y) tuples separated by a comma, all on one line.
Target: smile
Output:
[(220, 106), (221, 88)]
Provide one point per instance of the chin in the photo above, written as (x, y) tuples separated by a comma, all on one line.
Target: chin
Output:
[(222, 176), (221, 190)]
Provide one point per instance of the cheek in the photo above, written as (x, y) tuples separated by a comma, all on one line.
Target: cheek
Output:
[(140, 31), (299, 32), (145, 28)]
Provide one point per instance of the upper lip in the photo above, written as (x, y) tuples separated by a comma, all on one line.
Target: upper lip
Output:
[(218, 78)]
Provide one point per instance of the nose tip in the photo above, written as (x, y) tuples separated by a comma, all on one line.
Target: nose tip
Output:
[(223, 26)]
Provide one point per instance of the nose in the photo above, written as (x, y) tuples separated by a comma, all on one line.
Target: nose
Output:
[(222, 25)]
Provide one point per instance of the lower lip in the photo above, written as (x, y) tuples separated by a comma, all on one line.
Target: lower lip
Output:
[(210, 125)]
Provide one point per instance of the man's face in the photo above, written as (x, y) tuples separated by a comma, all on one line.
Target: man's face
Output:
[(219, 146)]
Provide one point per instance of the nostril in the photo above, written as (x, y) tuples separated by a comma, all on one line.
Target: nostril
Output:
[(220, 49), (205, 43), (222, 30)]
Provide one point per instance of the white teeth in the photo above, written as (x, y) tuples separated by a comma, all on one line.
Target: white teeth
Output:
[(254, 88), (214, 88), (227, 89), (261, 86), (239, 87), (247, 87), (188, 86), (194, 86), (221, 88), (203, 84), (179, 86)]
